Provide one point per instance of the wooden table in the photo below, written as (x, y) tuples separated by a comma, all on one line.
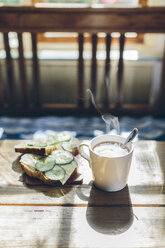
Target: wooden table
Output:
[(81, 215)]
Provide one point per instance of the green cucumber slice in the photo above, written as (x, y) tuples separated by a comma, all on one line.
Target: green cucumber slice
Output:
[(30, 144), (29, 159), (62, 157), (38, 144), (58, 138), (57, 173), (69, 146), (63, 137), (41, 144), (72, 164), (51, 141), (45, 164)]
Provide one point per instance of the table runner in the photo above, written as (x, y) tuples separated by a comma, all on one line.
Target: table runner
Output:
[(84, 127)]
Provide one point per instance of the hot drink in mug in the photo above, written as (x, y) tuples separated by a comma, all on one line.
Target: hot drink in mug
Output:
[(110, 163), (110, 149)]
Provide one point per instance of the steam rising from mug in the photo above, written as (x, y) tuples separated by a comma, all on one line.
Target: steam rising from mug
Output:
[(93, 101), (109, 119)]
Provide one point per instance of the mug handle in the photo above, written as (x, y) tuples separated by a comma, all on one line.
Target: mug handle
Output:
[(84, 154)]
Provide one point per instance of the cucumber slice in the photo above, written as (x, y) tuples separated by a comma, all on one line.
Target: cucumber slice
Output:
[(29, 159), (45, 164), (63, 137), (30, 144), (38, 144), (62, 157), (51, 141), (69, 146), (57, 173), (58, 138), (72, 164)]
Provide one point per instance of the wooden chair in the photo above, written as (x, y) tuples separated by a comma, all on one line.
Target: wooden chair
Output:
[(80, 20)]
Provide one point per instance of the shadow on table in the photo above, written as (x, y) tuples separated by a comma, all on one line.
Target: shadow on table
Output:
[(16, 166), (109, 212)]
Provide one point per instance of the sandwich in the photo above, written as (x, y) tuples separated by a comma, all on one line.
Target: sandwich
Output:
[(47, 146), (53, 161)]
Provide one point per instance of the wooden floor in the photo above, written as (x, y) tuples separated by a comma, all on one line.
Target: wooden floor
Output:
[(81, 215)]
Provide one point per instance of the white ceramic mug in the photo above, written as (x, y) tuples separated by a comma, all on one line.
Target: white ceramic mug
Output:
[(109, 173)]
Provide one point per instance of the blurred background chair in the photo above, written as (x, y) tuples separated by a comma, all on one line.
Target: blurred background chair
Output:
[(35, 80)]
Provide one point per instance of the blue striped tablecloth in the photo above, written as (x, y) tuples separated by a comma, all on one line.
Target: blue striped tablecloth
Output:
[(29, 128)]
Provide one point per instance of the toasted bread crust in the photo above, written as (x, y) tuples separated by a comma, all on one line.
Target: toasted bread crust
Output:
[(75, 151), (43, 151), (75, 179)]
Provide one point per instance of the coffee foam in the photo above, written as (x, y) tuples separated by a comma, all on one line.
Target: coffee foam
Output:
[(110, 149)]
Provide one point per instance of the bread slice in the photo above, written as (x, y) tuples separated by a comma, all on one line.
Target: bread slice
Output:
[(31, 172), (43, 151), (75, 179), (45, 148), (28, 165)]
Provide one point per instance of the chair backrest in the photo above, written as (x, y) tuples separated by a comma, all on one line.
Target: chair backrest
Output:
[(80, 20)]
